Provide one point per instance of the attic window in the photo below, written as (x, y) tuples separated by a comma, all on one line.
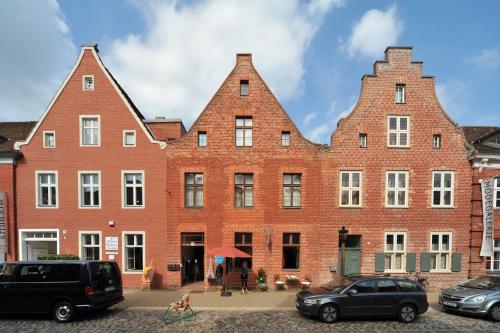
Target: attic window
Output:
[(244, 88), (285, 139), (88, 82), (436, 141), (400, 93)]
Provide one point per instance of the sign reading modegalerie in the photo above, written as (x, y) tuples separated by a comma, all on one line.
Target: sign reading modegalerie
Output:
[(487, 196), (3, 234)]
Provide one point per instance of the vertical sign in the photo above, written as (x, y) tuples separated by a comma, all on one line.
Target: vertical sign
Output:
[(3, 233), (487, 196)]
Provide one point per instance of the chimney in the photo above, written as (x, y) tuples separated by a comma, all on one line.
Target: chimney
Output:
[(243, 58)]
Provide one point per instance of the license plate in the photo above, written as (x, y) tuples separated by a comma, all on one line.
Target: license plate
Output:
[(450, 304), (109, 288)]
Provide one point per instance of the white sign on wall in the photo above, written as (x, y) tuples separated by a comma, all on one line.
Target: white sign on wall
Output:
[(487, 196), (3, 233), (111, 244)]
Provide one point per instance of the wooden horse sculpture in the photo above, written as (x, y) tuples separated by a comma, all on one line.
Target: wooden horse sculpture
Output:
[(174, 313)]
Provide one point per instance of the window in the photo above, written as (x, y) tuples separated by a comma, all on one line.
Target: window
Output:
[(89, 127), (442, 189), (496, 189), (91, 246), (363, 287), (398, 134), (395, 251), (49, 139), (49, 273), (386, 286), (397, 189), (243, 190), (400, 93), (129, 138), (46, 189), (88, 82), (291, 250), (285, 139), (440, 251), (134, 252), (193, 190), (133, 189), (363, 140), (291, 189), (90, 194), (493, 263), (244, 87), (436, 141), (350, 188), (202, 139), (243, 242), (244, 131), (408, 286)]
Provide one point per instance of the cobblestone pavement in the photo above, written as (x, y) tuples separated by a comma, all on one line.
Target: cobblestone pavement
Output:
[(121, 320)]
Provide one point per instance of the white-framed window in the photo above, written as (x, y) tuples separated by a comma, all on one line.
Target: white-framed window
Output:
[(440, 246), (398, 131), (244, 131), (395, 251), (244, 87), (49, 139), (496, 189), (400, 93), (46, 189), (90, 189), (90, 129), (202, 139), (396, 189), (350, 188), (436, 141), (129, 138), (442, 188), (285, 139), (88, 82), (133, 189), (494, 262), (292, 185), (363, 140), (90, 245), (134, 254)]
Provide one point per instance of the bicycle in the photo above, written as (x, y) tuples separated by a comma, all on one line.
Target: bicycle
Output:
[(422, 280)]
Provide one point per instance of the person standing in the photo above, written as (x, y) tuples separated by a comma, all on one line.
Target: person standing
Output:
[(218, 274), (244, 278)]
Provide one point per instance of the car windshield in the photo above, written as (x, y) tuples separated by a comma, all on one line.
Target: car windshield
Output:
[(337, 285), (483, 282)]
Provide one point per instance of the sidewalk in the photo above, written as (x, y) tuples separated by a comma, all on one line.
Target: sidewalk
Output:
[(211, 300)]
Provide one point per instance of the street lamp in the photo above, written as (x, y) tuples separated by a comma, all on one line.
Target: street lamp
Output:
[(343, 238)]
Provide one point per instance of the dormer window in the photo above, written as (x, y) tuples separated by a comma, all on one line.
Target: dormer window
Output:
[(400, 94), (244, 88), (88, 82)]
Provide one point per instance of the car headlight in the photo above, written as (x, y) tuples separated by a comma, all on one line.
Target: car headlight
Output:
[(476, 299), (311, 301)]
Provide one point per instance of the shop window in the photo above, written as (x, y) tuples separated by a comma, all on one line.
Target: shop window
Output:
[(243, 242)]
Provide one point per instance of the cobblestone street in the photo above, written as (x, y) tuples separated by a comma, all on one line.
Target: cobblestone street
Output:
[(121, 320)]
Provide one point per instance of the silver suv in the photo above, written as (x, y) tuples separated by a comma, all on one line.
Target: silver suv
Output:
[(479, 296)]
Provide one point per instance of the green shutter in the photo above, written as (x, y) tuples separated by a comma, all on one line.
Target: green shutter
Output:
[(425, 262), (411, 262), (456, 262), (379, 262)]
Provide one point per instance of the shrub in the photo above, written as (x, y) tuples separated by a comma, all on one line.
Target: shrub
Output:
[(58, 257), (261, 279)]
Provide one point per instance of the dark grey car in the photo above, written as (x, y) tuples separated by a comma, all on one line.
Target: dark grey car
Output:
[(479, 296), (364, 296)]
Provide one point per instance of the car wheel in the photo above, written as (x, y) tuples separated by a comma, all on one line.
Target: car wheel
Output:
[(329, 313), (407, 313), (495, 312), (63, 312)]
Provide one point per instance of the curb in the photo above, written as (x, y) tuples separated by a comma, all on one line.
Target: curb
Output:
[(215, 309)]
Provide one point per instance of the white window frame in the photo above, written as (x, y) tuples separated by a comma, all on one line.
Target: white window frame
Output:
[(436, 141), (496, 249), (21, 239), (286, 142), (397, 189), (81, 245), (496, 192), (37, 187), (443, 189), (80, 188), (441, 251), (398, 132), (82, 117), (395, 251), (45, 141), (199, 134), (124, 251), (125, 132), (363, 140), (350, 188), (402, 94), (247, 139), (124, 206), (83, 83)]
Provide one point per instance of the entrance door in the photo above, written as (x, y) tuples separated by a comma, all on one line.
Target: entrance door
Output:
[(193, 256), (36, 249), (352, 255)]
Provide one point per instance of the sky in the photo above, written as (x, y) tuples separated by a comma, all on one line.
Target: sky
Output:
[(172, 56)]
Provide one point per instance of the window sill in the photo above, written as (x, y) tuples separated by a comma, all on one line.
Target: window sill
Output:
[(397, 207), (291, 207), (89, 207), (47, 207), (398, 147), (132, 272), (194, 207), (133, 207), (434, 271), (443, 207), (395, 271), (291, 269), (351, 207), (244, 207), (89, 146)]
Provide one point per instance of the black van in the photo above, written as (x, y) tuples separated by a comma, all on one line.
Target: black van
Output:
[(59, 287)]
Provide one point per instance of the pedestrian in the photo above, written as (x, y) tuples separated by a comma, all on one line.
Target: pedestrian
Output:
[(218, 274), (244, 278)]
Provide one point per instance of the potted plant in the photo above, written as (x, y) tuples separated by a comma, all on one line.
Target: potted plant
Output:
[(262, 280)]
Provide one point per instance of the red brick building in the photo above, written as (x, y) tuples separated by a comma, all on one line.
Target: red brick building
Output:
[(96, 179)]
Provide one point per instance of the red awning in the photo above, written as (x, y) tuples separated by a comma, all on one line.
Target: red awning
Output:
[(227, 252)]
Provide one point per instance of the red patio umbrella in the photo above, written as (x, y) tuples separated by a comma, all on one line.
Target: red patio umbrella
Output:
[(227, 252)]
